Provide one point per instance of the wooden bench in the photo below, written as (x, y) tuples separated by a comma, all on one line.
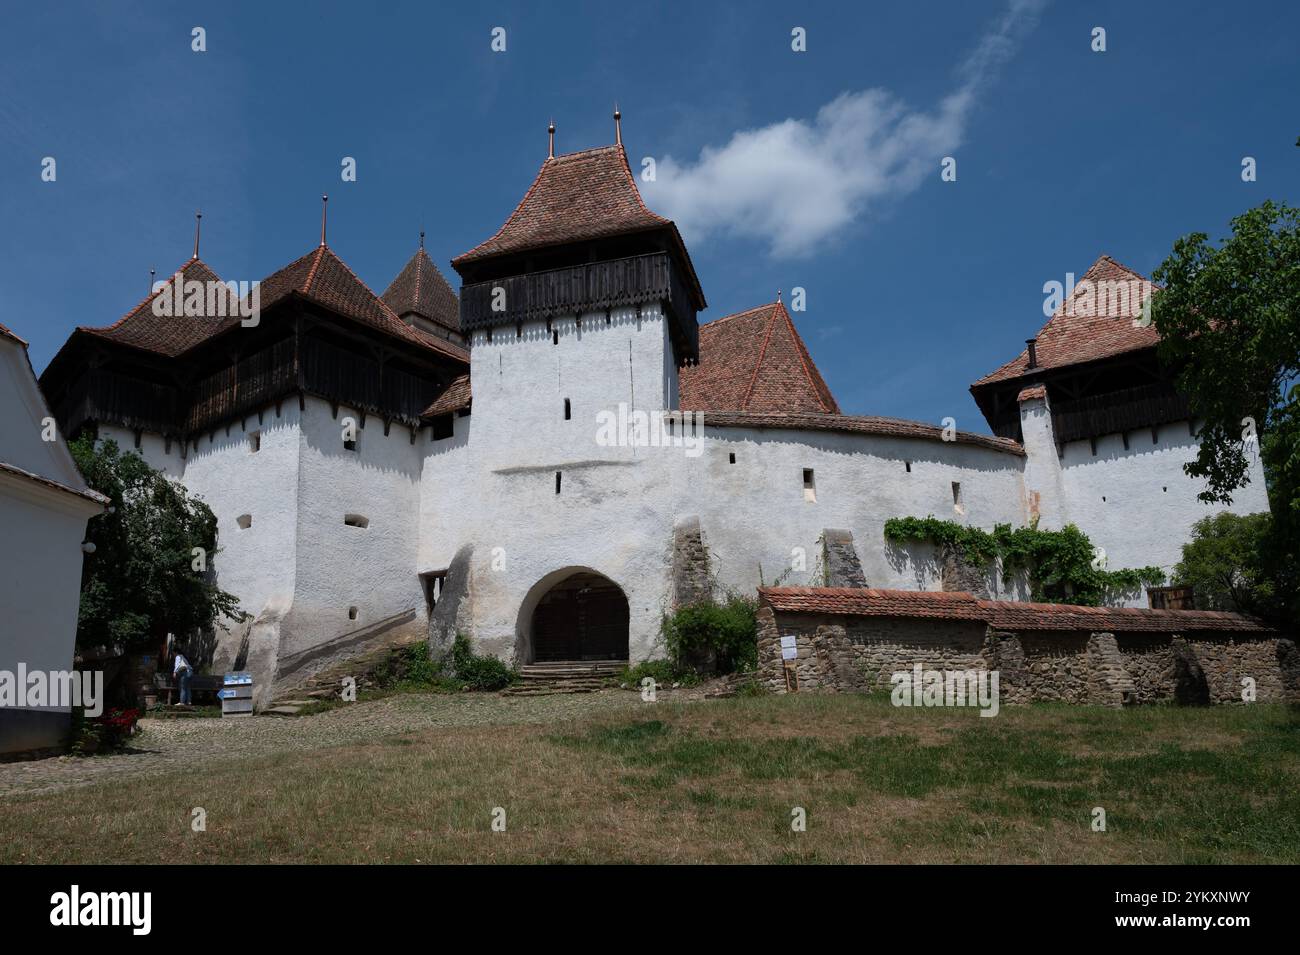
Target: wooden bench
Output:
[(200, 684)]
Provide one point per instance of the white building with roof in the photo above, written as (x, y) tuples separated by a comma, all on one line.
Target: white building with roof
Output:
[(44, 506), (513, 462)]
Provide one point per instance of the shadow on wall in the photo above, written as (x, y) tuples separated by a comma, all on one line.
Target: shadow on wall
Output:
[(920, 560)]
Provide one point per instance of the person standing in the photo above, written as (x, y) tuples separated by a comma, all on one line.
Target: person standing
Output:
[(182, 672)]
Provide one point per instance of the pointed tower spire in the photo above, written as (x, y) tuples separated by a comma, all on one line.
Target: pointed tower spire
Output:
[(618, 126), (198, 223), (324, 205), (550, 149)]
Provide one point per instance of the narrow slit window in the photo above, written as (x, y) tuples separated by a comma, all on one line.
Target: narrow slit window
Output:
[(908, 465), (555, 337), (352, 613), (809, 486), (557, 482), (956, 493), (568, 410), (731, 458)]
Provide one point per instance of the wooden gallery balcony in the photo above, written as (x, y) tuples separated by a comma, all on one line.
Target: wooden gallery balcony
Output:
[(582, 289)]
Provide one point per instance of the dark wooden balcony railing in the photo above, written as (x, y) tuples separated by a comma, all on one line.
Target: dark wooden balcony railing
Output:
[(344, 376), (131, 402), (579, 289), (1118, 411), (249, 384)]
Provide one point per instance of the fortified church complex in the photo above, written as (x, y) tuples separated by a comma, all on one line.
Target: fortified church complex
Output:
[(479, 493)]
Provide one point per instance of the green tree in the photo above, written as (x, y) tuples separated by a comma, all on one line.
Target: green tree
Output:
[(1233, 562), (1229, 323), (144, 578)]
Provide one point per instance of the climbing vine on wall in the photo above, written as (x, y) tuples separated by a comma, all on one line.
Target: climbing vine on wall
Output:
[(1063, 566)]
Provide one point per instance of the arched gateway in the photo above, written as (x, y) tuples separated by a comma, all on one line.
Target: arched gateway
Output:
[(584, 616)]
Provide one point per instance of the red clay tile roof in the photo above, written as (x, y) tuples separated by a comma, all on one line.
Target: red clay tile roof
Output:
[(863, 601), (1033, 391), (1096, 322), (455, 398), (577, 197), (1003, 614), (165, 335), (855, 424), (583, 195), (755, 361), (1011, 615), (320, 276), (8, 334), (420, 288)]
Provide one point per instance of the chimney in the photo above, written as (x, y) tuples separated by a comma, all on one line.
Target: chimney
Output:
[(1032, 344)]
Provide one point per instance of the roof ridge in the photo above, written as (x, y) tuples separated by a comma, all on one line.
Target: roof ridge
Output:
[(740, 314), (347, 268), (153, 293), (311, 273), (804, 357), (420, 256), (510, 218), (631, 181), (771, 321)]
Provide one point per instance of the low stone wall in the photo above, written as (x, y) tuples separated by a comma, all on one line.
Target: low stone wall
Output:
[(847, 653)]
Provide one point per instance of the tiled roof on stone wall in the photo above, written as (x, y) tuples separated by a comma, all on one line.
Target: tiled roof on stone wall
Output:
[(1002, 614), (867, 602), (755, 360)]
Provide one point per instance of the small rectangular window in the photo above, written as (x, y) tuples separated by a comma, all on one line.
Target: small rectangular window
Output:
[(908, 465), (255, 442), (443, 427), (809, 487), (731, 458), (349, 445), (356, 520), (245, 521), (568, 410), (956, 492), (557, 482)]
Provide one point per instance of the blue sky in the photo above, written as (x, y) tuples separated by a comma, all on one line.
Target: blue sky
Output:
[(817, 169)]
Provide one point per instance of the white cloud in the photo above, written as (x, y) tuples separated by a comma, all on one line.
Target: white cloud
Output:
[(796, 183)]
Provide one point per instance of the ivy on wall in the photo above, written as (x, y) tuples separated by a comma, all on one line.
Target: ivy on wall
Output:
[(1063, 566)]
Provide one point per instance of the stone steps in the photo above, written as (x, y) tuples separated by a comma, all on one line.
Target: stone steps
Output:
[(565, 676)]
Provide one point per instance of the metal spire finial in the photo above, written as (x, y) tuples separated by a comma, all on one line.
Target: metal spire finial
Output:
[(324, 206), (550, 149), (198, 224)]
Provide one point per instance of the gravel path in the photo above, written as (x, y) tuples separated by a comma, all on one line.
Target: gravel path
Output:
[(169, 744)]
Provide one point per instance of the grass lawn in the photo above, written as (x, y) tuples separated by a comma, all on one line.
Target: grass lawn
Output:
[(716, 781)]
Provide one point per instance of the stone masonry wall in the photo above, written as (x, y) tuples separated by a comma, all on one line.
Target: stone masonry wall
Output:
[(844, 653)]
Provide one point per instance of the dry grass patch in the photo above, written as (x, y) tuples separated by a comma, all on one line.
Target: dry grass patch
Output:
[(716, 781)]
